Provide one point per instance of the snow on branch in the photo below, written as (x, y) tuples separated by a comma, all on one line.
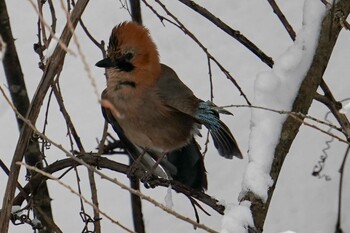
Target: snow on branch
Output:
[(277, 89)]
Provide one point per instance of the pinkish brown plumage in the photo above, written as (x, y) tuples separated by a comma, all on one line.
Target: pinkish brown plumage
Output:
[(150, 104)]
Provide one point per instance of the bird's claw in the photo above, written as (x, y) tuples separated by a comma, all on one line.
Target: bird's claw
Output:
[(146, 180)]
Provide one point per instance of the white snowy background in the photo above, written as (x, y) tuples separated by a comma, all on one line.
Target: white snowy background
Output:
[(301, 202)]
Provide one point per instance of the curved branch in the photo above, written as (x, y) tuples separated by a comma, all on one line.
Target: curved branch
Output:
[(105, 163)]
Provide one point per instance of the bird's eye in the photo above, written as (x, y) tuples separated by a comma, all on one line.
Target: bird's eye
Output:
[(128, 56)]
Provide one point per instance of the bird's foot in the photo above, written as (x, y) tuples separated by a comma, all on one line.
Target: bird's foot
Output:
[(146, 178)]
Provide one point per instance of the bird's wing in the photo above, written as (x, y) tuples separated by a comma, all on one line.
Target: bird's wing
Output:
[(178, 96), (225, 143), (175, 94)]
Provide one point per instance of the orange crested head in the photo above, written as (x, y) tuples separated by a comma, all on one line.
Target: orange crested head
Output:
[(131, 49)]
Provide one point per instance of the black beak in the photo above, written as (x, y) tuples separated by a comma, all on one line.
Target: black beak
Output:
[(105, 63), (119, 64)]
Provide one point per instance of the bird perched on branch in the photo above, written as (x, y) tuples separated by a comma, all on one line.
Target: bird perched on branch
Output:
[(154, 112)]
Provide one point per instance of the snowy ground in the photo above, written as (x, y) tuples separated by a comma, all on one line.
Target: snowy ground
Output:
[(301, 203)]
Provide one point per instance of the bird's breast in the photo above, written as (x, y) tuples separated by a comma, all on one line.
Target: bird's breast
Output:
[(149, 124)]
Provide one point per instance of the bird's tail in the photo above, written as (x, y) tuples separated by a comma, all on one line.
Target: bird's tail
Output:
[(225, 143), (190, 166)]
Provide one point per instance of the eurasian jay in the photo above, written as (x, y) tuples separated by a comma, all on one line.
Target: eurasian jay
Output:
[(154, 112)]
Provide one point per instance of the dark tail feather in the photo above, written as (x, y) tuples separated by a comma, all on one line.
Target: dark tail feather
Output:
[(190, 166), (225, 143)]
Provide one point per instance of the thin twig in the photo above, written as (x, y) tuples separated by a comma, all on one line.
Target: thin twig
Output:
[(210, 80), (283, 19), (76, 193), (334, 106), (19, 186), (67, 117), (297, 114), (88, 34), (53, 20), (81, 53), (94, 198), (41, 23), (55, 62), (92, 183), (182, 27), (319, 129), (340, 192), (233, 33), (52, 33)]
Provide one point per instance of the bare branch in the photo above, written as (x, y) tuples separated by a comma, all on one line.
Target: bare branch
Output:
[(283, 19), (233, 33), (334, 106), (340, 192), (187, 32), (19, 96), (54, 64), (135, 7), (48, 175)]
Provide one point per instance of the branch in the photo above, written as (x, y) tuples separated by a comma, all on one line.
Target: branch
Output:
[(340, 194), (233, 33), (301, 104), (48, 175), (135, 7), (334, 106), (136, 205), (12, 66), (182, 27), (20, 99), (283, 19), (55, 63), (191, 191), (105, 163)]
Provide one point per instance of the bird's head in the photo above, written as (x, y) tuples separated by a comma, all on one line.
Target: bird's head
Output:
[(131, 50)]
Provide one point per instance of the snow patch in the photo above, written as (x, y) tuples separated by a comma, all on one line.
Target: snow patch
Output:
[(276, 89), (237, 218)]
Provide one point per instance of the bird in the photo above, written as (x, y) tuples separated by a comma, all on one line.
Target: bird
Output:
[(154, 113)]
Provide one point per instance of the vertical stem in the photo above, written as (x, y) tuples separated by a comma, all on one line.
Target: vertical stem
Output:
[(341, 171), (136, 204), (136, 15)]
